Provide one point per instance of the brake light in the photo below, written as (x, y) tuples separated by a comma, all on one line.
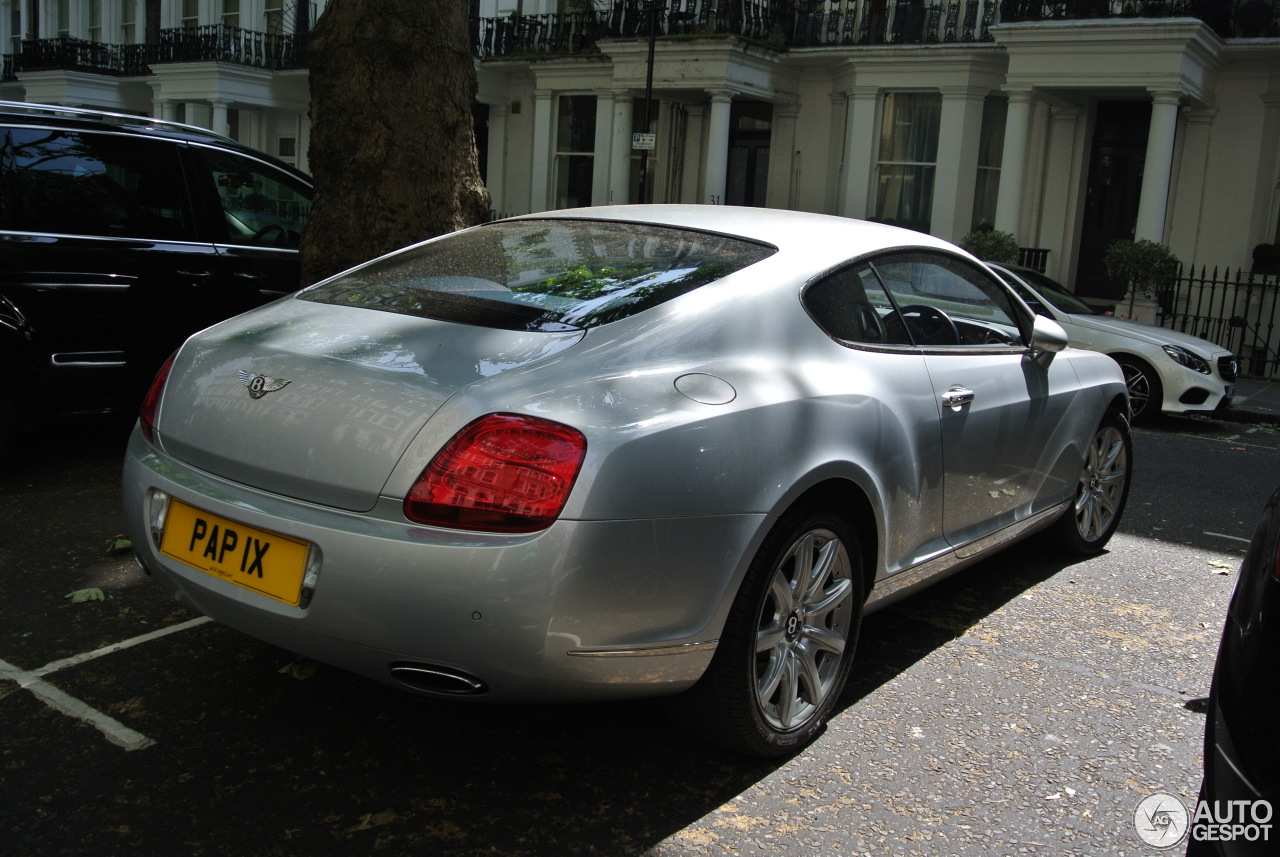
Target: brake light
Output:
[(502, 473), (151, 404)]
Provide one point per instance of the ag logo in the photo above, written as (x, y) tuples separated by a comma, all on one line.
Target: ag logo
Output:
[(260, 385), (1161, 820)]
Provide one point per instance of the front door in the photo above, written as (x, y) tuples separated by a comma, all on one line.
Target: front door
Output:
[(751, 128), (1112, 195)]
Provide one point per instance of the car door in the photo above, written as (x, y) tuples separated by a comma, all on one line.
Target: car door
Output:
[(882, 384), (100, 244), (1001, 413), (258, 211)]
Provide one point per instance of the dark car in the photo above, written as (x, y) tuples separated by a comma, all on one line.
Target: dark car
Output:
[(1234, 817), (120, 236)]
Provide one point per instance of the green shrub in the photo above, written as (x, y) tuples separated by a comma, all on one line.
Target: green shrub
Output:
[(1142, 266), (991, 245)]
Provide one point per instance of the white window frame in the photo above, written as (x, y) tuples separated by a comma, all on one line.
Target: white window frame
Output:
[(884, 164)]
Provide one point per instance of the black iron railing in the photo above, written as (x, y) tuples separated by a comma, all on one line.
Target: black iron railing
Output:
[(782, 23), (178, 45), (230, 45), (78, 55), (1239, 310), (816, 23)]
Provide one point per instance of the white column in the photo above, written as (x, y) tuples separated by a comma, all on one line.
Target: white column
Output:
[(782, 149), (1153, 202), (541, 166), (832, 200), (304, 142), (1193, 163), (695, 152), (219, 124), (1013, 162), (859, 151), (955, 177), (166, 109), (620, 154), (1062, 188), (1264, 228), (717, 149), (603, 161), (496, 156)]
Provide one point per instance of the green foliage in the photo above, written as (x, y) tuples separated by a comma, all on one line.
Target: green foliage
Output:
[(991, 245), (1144, 267)]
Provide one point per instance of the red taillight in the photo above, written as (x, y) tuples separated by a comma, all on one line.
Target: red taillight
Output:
[(147, 413), (503, 473)]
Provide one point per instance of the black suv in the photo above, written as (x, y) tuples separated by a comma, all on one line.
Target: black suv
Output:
[(119, 237)]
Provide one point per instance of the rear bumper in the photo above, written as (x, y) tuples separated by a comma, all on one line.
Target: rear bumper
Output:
[(584, 610)]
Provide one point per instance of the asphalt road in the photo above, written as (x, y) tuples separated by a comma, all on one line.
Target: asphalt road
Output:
[(1024, 706)]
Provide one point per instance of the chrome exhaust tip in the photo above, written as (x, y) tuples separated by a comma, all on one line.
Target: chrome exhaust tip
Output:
[(429, 678)]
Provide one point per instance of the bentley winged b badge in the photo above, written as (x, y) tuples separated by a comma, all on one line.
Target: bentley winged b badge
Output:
[(260, 385)]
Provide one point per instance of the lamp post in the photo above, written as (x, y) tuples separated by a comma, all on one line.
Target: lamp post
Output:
[(651, 9)]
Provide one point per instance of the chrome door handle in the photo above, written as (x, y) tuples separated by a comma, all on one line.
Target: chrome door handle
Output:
[(957, 397)]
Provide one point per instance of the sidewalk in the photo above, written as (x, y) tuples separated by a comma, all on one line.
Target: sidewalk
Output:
[(1256, 400)]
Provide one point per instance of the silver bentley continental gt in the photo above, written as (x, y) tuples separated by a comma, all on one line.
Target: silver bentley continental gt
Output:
[(621, 452)]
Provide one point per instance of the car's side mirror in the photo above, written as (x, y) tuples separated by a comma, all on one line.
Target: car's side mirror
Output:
[(1047, 337)]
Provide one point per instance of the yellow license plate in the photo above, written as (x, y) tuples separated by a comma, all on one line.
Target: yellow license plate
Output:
[(255, 559)]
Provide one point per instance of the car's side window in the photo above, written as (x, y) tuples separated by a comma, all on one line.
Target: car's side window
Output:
[(80, 183), (849, 305), (941, 300), (261, 206)]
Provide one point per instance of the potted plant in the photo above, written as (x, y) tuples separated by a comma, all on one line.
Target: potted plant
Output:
[(1145, 267), (1266, 260), (991, 245)]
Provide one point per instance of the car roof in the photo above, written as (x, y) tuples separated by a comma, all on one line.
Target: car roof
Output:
[(799, 231), (85, 119)]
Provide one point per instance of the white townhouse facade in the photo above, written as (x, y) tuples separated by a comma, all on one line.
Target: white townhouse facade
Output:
[(1069, 123)]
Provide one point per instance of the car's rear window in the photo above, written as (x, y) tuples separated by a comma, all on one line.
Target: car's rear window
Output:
[(542, 274)]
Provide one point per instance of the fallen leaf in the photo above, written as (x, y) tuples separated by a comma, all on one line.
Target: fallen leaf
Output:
[(82, 595), (119, 544), (301, 670)]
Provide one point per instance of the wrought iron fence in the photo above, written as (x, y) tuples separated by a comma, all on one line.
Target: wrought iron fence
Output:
[(784, 24), (184, 44), (814, 23), (1238, 310), (73, 54), (1035, 258), (217, 43)]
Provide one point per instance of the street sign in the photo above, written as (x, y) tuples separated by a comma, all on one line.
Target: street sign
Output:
[(641, 142)]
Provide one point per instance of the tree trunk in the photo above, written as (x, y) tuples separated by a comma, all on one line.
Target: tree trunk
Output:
[(393, 149)]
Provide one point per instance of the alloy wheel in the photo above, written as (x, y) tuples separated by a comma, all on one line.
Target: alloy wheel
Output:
[(1140, 392), (804, 626), (1101, 494)]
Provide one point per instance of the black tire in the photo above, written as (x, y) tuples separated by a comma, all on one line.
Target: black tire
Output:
[(786, 649), (1102, 490), (1146, 393)]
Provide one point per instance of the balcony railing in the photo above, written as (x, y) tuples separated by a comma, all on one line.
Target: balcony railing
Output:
[(178, 45), (781, 23), (70, 54), (814, 23), (230, 45)]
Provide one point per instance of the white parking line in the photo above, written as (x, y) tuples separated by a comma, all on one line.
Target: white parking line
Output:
[(115, 731), (1225, 536)]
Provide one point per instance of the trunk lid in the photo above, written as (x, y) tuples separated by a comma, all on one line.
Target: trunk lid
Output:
[(319, 402)]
